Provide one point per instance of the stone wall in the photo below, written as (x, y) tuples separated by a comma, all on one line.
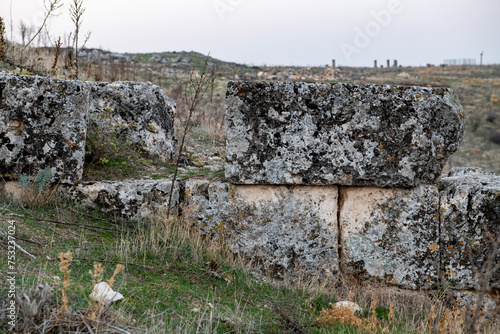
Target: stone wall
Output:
[(322, 179), (328, 179), (410, 237), (44, 122)]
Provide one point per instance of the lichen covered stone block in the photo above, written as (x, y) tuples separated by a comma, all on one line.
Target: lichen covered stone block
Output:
[(134, 199), (287, 231), (325, 134), (43, 125), (391, 235), (470, 219), (139, 112)]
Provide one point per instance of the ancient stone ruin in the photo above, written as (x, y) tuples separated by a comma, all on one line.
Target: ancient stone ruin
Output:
[(322, 179), (44, 122), (341, 134)]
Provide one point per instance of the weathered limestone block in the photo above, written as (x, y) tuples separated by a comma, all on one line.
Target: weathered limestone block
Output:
[(43, 124), (139, 111), (286, 230), (324, 134), (470, 219), (391, 235), (134, 199)]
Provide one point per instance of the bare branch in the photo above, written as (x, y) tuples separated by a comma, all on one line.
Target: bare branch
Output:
[(50, 9), (17, 245), (76, 12)]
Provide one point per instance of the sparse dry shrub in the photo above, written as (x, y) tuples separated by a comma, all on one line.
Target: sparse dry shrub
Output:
[(39, 312), (344, 316), (57, 53), (339, 316), (289, 317), (96, 307)]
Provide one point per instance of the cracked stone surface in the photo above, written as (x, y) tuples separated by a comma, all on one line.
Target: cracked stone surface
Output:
[(470, 218), (391, 235), (134, 199), (139, 111), (326, 134), (287, 231), (43, 124)]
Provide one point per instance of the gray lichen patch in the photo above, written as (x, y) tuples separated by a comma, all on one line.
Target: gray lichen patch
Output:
[(287, 231), (391, 235), (139, 112), (131, 200), (325, 134), (470, 218), (43, 124)]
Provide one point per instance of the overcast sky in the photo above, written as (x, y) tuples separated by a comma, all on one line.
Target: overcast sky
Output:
[(286, 32)]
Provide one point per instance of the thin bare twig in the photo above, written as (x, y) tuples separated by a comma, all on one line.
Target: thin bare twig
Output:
[(199, 88), (17, 245)]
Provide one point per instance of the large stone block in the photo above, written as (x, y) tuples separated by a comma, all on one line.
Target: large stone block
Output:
[(325, 134), (133, 199), (43, 125), (470, 219), (391, 235), (139, 111), (286, 230)]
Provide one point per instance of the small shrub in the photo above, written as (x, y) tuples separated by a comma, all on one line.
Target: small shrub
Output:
[(491, 117), (379, 320), (495, 137), (33, 306), (37, 190)]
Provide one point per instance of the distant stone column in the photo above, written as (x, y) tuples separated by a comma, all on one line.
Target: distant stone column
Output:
[(374, 64), (333, 63), (395, 63), (388, 63)]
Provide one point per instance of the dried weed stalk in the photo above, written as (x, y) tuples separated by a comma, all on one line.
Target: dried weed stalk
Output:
[(56, 57), (76, 12)]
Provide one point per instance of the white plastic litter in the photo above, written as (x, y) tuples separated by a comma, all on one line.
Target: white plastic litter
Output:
[(103, 292)]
